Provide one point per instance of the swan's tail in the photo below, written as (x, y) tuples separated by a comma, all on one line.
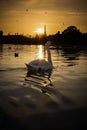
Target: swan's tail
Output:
[(26, 65)]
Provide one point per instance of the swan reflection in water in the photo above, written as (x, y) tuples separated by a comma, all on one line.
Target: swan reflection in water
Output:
[(39, 78), (40, 70)]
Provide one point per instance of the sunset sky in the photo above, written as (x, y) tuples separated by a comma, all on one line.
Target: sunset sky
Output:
[(26, 16)]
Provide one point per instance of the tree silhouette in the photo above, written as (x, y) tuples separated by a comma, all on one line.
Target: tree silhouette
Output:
[(71, 35)]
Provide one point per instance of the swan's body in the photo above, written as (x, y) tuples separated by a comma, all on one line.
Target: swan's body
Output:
[(42, 64)]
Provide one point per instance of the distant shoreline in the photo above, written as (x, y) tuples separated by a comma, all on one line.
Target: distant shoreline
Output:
[(70, 36)]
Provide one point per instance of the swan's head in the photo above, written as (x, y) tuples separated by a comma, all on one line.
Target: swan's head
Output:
[(48, 43)]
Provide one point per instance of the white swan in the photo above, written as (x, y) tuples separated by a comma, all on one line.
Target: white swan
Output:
[(42, 64)]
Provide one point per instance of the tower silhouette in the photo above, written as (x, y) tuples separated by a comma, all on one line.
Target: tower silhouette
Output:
[(45, 30)]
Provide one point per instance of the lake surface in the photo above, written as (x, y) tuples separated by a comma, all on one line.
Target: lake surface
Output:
[(20, 97)]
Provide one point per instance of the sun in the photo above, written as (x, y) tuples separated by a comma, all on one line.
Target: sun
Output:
[(40, 30)]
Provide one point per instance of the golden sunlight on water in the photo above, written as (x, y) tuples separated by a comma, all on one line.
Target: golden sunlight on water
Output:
[(59, 95), (40, 52)]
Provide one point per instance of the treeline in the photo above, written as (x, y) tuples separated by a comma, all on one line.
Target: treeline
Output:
[(70, 36)]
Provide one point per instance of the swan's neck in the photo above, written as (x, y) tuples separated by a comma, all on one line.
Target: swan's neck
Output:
[(49, 55)]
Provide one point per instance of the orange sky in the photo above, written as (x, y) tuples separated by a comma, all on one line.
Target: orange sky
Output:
[(26, 16)]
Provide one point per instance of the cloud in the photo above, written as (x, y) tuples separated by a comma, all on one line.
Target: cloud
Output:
[(58, 4), (38, 5)]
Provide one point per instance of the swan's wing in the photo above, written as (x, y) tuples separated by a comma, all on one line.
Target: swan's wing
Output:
[(45, 65), (39, 64)]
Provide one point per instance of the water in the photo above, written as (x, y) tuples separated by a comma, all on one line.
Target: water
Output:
[(19, 97)]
